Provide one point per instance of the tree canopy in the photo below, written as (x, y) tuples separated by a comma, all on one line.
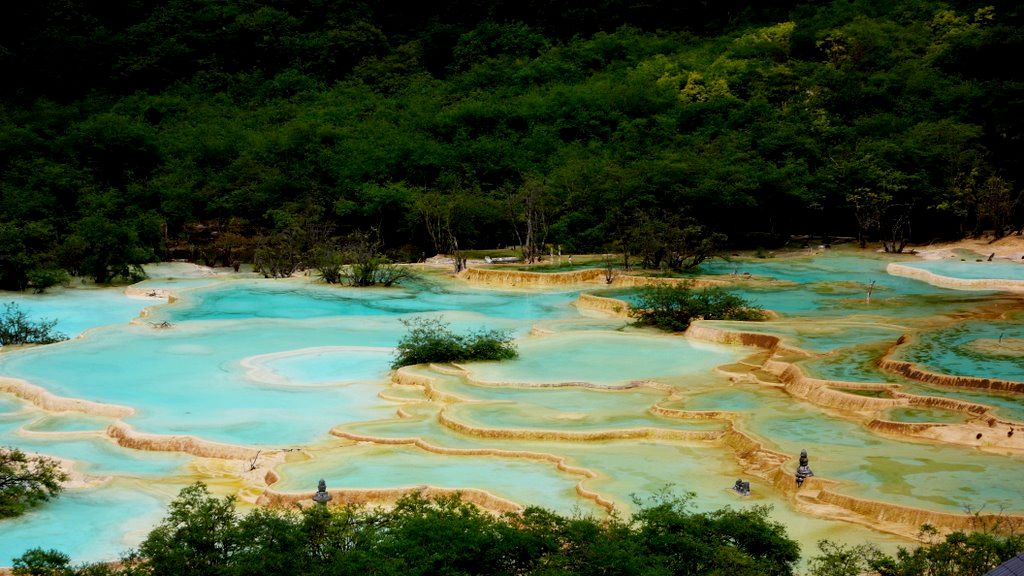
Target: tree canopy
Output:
[(199, 128), (26, 481)]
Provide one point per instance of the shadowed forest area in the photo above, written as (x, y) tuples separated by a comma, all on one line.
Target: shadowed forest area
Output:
[(206, 129)]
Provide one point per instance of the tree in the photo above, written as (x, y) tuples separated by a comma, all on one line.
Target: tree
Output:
[(39, 562), (198, 537), (106, 249), (997, 203), (528, 209), (27, 481), (958, 554), (16, 328), (674, 307), (690, 244), (432, 340), (27, 257), (438, 214), (300, 238), (359, 262), (724, 541)]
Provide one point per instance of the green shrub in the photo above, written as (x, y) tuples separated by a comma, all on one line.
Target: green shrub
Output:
[(432, 340), (959, 554), (674, 307), (17, 328), (42, 278), (203, 535), (26, 481), (39, 562)]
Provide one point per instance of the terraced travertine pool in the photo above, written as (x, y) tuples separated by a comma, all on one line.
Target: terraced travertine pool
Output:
[(295, 377)]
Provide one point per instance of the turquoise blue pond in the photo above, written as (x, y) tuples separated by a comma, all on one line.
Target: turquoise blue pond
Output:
[(855, 365), (822, 337), (973, 348), (89, 525), (971, 269), (79, 310), (604, 358), (928, 476), (1008, 406), (296, 301), (279, 363), (833, 284), (527, 481), (322, 366)]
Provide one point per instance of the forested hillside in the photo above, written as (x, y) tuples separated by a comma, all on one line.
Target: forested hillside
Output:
[(204, 129)]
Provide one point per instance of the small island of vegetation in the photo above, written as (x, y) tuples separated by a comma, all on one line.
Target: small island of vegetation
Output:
[(672, 308), (432, 340)]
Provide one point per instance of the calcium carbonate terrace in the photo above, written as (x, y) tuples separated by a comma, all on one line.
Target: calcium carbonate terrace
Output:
[(262, 387)]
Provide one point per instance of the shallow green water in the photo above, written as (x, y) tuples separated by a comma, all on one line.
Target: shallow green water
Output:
[(604, 358), (952, 350), (526, 481), (281, 363), (925, 415), (822, 337)]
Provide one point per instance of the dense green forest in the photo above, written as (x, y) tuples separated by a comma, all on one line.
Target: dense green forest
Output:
[(134, 130)]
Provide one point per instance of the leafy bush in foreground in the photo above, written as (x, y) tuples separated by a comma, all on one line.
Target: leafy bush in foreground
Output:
[(16, 328), (959, 554), (204, 535), (674, 307), (432, 340)]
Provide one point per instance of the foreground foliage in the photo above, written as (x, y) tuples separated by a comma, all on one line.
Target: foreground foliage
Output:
[(958, 554), (17, 328), (432, 340), (674, 307), (204, 536), (26, 481)]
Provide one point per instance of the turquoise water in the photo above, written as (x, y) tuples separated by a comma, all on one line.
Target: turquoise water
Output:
[(855, 365), (950, 350), (934, 477), (526, 481), (89, 525), (279, 363), (323, 366), (604, 358), (80, 309), (925, 415), (69, 422), (296, 300), (1010, 406), (822, 337), (971, 269), (832, 285)]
